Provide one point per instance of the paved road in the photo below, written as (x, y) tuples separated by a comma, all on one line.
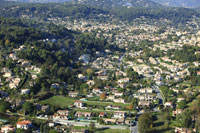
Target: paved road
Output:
[(134, 129), (120, 60), (160, 96), (159, 93)]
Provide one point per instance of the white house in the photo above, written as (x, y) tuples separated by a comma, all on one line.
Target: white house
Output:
[(118, 94), (78, 104), (169, 104), (119, 100), (73, 94), (146, 90), (180, 99), (25, 124), (7, 129), (7, 74), (96, 91), (119, 114), (124, 80), (25, 91), (111, 97)]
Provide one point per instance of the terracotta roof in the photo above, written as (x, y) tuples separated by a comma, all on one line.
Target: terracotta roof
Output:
[(24, 122), (78, 101), (101, 113)]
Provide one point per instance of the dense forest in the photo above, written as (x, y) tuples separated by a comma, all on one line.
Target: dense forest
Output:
[(176, 15), (187, 54), (55, 51), (49, 10)]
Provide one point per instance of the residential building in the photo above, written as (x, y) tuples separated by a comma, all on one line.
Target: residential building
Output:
[(177, 112), (7, 129), (168, 104), (119, 114), (119, 100), (182, 130), (25, 124), (73, 94), (25, 91), (78, 104), (83, 114)]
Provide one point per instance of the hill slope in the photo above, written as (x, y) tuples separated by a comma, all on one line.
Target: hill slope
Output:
[(118, 3), (103, 11), (102, 3), (180, 3)]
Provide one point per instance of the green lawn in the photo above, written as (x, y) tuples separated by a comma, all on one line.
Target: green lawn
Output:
[(112, 131), (196, 87), (159, 125), (186, 83), (101, 130), (79, 127), (194, 101), (60, 101), (105, 130)]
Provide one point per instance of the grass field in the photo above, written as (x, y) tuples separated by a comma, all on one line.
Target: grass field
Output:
[(112, 131), (105, 130), (194, 101), (79, 127), (60, 101), (159, 125)]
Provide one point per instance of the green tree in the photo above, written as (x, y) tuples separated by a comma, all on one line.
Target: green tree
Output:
[(197, 123), (4, 106), (89, 72), (182, 104), (27, 107), (10, 63), (53, 131), (134, 102), (7, 43), (166, 115), (184, 119), (103, 96), (20, 130), (145, 123), (92, 127), (84, 86)]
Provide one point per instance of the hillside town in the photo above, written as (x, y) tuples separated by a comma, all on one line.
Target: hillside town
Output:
[(118, 86), (146, 71)]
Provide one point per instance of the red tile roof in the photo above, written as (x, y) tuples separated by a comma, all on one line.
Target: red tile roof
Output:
[(24, 122)]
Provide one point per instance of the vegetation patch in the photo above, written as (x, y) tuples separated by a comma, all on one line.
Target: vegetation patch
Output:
[(59, 101)]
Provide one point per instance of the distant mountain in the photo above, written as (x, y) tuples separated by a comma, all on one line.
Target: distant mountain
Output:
[(39, 1), (102, 3), (180, 3), (101, 10), (118, 3)]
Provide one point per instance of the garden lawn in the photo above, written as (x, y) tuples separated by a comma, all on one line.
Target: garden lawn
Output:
[(59, 101), (101, 130), (159, 125), (193, 102), (112, 131)]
